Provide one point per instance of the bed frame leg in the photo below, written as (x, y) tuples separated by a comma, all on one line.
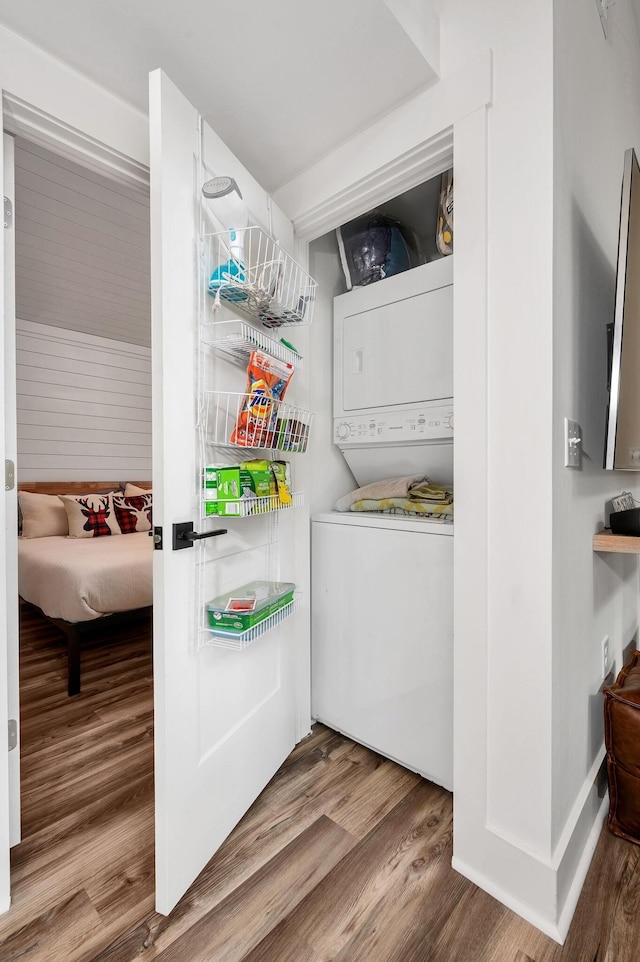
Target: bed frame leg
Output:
[(73, 668)]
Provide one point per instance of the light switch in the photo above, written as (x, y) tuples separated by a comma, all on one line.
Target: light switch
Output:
[(572, 444)]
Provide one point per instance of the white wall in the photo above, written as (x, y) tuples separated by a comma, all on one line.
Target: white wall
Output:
[(34, 76), (84, 406), (82, 248), (332, 477), (597, 116), (503, 785)]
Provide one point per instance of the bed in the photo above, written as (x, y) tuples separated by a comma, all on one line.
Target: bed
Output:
[(76, 581)]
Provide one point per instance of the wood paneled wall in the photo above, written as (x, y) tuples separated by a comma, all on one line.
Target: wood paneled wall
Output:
[(84, 406), (82, 248)]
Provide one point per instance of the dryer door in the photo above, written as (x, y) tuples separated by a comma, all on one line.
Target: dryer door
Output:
[(395, 349)]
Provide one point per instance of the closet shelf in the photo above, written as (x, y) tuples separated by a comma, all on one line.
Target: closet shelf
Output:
[(249, 421), (214, 637), (259, 280), (249, 507), (237, 339)]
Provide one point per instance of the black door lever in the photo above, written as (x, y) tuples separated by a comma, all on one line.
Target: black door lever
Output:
[(184, 535)]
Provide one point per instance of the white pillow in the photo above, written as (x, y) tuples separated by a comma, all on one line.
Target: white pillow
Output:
[(43, 515), (131, 490)]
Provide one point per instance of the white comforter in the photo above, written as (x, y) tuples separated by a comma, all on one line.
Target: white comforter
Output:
[(79, 579)]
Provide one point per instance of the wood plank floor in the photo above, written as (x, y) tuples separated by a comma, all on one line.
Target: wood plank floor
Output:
[(345, 856)]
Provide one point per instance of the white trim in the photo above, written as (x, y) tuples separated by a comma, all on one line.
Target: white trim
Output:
[(26, 120), (577, 808), (481, 880), (580, 874), (401, 174)]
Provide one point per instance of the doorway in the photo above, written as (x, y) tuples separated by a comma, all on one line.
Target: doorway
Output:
[(83, 399)]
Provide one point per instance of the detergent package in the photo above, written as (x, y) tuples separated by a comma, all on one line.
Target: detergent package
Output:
[(267, 383), (282, 474)]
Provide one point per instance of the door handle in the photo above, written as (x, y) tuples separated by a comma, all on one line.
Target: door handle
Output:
[(184, 535)]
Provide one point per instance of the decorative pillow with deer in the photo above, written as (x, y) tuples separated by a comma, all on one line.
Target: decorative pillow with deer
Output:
[(133, 513), (90, 515)]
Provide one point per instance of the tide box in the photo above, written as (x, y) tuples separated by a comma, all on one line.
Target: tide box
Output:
[(247, 606)]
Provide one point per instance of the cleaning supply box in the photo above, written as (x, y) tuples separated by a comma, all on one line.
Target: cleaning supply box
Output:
[(229, 490), (249, 605)]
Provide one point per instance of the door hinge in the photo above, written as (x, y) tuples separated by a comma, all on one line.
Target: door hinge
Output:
[(156, 534), (8, 213), (9, 475), (13, 734)]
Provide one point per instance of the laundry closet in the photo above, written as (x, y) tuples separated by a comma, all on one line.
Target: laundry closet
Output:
[(382, 575)]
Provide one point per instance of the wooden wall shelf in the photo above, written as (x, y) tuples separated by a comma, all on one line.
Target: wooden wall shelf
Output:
[(622, 543)]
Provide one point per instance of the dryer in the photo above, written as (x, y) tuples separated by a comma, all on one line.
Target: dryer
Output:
[(393, 375)]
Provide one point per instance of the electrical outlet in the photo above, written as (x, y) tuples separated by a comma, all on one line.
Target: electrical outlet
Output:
[(605, 656)]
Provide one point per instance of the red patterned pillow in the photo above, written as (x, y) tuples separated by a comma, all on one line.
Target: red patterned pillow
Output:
[(90, 515), (133, 514)]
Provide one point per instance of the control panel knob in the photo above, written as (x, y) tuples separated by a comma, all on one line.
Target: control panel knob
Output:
[(343, 431)]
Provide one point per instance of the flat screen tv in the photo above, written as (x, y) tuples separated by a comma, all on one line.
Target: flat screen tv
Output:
[(622, 443)]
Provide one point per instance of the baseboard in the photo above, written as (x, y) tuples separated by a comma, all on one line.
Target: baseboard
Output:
[(547, 890), (580, 873), (507, 899)]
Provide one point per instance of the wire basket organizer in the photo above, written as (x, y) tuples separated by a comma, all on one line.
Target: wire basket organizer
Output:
[(215, 637), (264, 282), (237, 339), (249, 507), (253, 421)]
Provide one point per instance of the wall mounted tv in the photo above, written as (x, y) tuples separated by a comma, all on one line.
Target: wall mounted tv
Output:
[(622, 443)]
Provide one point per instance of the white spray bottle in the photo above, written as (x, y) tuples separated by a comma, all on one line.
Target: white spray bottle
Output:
[(229, 208)]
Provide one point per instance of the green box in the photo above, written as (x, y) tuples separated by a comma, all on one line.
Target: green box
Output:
[(239, 482), (269, 596)]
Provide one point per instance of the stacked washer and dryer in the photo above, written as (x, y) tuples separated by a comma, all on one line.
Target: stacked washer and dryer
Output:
[(382, 585)]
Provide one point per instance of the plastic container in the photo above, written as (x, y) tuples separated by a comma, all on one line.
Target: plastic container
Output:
[(248, 605)]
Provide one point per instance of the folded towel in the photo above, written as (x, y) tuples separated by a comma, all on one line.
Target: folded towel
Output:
[(406, 506), (426, 490), (417, 487), (389, 488)]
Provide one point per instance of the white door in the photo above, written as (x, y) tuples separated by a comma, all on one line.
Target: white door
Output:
[(225, 719), (9, 643)]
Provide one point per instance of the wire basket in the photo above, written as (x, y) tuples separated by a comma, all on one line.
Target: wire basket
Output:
[(250, 420), (237, 640), (263, 282), (249, 507), (237, 339)]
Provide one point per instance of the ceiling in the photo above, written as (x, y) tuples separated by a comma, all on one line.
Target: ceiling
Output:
[(283, 82)]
